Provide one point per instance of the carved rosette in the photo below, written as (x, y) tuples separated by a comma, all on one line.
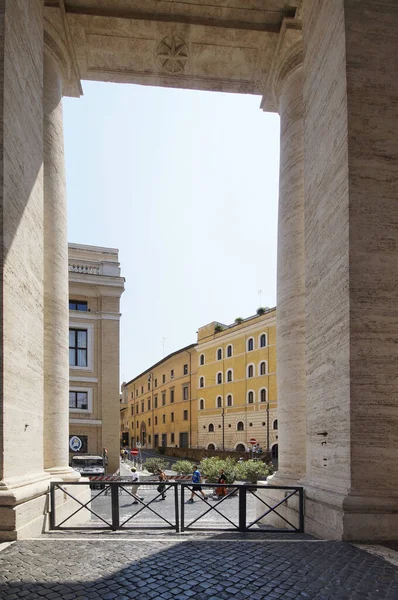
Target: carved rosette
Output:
[(172, 54)]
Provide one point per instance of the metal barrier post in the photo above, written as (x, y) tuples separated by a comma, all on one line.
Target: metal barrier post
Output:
[(52, 506), (115, 505), (176, 508), (301, 510), (182, 508), (242, 508)]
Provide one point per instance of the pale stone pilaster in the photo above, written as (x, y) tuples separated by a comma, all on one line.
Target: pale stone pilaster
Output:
[(285, 94), (56, 313)]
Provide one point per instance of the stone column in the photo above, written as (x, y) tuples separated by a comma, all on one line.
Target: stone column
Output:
[(56, 312), (351, 216), (285, 94)]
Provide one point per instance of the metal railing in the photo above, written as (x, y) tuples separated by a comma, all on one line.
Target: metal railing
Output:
[(227, 512)]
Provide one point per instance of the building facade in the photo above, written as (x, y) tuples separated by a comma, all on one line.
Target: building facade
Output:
[(95, 288), (236, 384), (162, 402), (216, 394)]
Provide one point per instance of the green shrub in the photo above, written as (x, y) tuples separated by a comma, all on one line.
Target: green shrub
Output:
[(218, 328), (210, 467), (184, 467), (252, 470), (238, 320), (155, 463)]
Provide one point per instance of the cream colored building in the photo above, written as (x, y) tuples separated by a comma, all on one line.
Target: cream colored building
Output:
[(337, 290), (95, 288)]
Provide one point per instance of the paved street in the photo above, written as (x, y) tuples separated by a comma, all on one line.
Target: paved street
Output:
[(216, 567)]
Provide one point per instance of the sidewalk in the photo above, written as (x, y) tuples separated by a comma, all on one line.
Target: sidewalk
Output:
[(146, 566)]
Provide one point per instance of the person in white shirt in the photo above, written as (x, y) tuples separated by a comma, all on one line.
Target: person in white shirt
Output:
[(134, 488)]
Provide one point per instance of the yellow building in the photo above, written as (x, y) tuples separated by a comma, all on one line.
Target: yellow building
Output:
[(162, 402), (236, 384), (95, 288)]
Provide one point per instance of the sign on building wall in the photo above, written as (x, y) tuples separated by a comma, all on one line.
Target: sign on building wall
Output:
[(78, 443)]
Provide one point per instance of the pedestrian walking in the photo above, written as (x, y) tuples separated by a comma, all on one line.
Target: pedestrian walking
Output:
[(134, 488), (196, 480), (162, 485), (221, 490)]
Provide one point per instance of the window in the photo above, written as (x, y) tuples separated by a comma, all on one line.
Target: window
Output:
[(202, 382), (219, 377), (172, 417), (132, 395), (229, 351), (156, 383), (185, 415), (250, 371), (263, 340), (142, 406), (78, 347), (149, 421), (172, 438), (149, 386), (250, 397), (185, 369), (136, 408), (263, 395), (229, 375), (202, 359), (219, 402), (163, 378), (149, 404), (201, 404), (136, 392), (219, 354), (142, 389), (163, 418), (138, 424), (172, 396), (250, 344), (275, 424), (185, 392), (263, 368), (155, 402), (172, 374), (149, 439), (163, 398), (132, 409), (156, 420), (78, 400), (78, 305), (240, 426), (211, 428), (229, 400)]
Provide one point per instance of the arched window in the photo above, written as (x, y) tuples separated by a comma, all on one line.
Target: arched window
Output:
[(240, 426), (229, 375), (240, 448), (275, 424), (201, 404), (202, 359), (202, 382), (263, 368), (229, 351), (219, 402), (263, 340), (250, 370), (229, 400), (250, 344), (263, 395), (219, 354), (274, 452), (211, 447), (250, 397), (219, 377), (211, 428)]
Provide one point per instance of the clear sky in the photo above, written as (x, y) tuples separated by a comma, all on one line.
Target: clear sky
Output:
[(185, 185)]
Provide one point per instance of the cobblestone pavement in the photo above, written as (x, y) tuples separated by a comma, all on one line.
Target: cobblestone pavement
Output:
[(198, 568)]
